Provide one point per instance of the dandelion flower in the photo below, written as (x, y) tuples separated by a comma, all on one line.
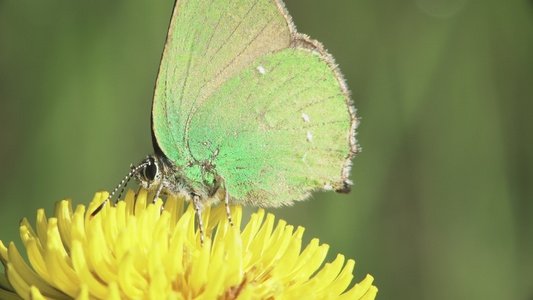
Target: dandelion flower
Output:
[(140, 251)]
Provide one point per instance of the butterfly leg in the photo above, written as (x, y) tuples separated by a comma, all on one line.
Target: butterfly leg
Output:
[(196, 203), (226, 201), (157, 193)]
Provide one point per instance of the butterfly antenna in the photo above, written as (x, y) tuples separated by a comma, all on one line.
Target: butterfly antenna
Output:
[(132, 167), (123, 183)]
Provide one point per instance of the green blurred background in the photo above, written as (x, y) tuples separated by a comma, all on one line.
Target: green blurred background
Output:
[(441, 204)]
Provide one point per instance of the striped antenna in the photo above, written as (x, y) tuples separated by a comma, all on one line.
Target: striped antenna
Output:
[(123, 184)]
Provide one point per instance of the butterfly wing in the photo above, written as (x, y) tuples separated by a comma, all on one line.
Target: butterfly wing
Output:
[(282, 127), (208, 42)]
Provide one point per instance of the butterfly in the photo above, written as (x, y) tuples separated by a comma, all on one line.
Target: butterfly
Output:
[(246, 110)]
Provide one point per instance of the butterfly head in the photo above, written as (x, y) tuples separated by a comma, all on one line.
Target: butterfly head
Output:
[(148, 173)]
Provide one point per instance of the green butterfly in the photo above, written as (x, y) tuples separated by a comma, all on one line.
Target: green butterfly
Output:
[(246, 110)]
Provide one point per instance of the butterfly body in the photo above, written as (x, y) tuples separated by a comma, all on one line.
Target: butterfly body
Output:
[(166, 178)]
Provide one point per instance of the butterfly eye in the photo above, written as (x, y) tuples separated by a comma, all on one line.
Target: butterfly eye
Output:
[(150, 171)]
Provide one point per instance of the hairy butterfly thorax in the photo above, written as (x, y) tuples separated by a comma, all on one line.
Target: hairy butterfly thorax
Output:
[(158, 175)]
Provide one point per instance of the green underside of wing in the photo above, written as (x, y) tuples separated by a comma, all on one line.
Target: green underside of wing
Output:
[(208, 43), (281, 127)]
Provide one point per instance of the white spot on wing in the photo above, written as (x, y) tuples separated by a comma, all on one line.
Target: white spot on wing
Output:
[(304, 159), (309, 136), (261, 70), (306, 117)]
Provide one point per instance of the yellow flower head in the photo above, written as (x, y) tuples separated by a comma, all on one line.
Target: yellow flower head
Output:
[(140, 251)]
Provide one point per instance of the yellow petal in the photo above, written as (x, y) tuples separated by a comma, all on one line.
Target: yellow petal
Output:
[(59, 263), (362, 290), (81, 267)]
